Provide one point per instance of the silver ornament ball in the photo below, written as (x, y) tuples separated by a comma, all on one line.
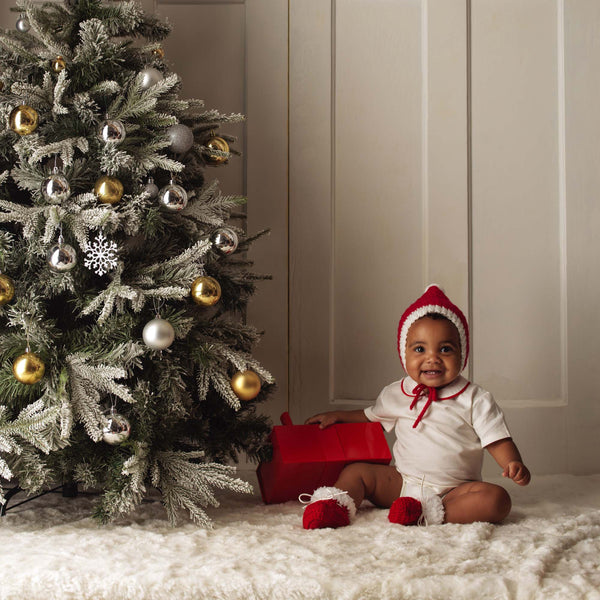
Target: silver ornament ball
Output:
[(112, 131), (61, 258), (151, 76), (158, 334), (173, 197), (225, 240), (151, 188), (56, 188), (116, 428), (181, 138), (23, 24)]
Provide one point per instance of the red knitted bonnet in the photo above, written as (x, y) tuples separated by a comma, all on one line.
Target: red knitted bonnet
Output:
[(434, 300)]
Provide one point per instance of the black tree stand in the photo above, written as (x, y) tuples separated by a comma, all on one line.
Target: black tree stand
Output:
[(69, 490)]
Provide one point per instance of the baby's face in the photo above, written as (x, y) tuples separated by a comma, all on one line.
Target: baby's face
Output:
[(433, 352)]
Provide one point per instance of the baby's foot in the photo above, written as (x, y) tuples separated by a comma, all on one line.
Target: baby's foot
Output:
[(328, 507), (410, 511), (405, 511)]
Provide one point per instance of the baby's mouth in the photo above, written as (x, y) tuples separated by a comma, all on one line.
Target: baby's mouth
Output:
[(431, 373)]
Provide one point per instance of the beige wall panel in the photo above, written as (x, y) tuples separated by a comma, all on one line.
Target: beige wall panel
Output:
[(445, 165), (310, 166), (375, 167), (207, 50), (541, 436), (267, 185), (7, 18), (377, 189), (582, 67), (518, 204)]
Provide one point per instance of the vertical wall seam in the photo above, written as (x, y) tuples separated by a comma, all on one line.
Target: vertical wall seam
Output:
[(562, 191), (287, 217), (562, 215), (425, 249), (469, 108), (332, 190)]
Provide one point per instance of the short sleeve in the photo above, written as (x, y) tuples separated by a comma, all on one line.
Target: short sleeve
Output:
[(488, 420), (381, 411)]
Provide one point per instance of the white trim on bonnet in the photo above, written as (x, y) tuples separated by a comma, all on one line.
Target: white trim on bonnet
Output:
[(419, 313)]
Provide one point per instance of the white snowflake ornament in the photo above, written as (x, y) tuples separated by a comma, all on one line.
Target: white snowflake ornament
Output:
[(101, 255)]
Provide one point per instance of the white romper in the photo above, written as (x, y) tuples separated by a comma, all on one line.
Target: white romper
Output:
[(445, 449)]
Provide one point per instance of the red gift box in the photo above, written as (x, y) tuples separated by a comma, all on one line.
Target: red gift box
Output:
[(306, 457)]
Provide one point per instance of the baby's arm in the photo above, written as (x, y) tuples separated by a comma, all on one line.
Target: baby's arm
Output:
[(337, 416), (506, 454)]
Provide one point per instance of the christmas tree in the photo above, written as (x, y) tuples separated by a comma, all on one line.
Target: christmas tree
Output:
[(126, 359)]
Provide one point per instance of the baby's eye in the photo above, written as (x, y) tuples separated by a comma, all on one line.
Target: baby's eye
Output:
[(447, 349), (419, 349)]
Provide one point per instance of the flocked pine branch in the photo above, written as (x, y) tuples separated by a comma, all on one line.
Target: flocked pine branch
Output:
[(17, 50), (33, 425), (89, 384), (65, 149), (188, 485)]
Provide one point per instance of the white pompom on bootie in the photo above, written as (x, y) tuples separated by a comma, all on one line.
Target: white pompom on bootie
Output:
[(328, 507)]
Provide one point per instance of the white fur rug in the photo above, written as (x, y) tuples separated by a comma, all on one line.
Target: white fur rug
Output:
[(549, 548)]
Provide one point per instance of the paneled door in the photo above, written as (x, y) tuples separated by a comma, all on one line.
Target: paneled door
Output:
[(455, 142)]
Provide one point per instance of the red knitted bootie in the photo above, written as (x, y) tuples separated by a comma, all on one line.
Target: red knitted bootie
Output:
[(405, 511), (325, 513), (328, 507)]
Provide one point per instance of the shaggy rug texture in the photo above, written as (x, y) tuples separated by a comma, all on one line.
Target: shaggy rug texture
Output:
[(548, 548)]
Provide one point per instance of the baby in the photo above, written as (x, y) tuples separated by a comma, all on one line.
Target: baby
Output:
[(442, 423)]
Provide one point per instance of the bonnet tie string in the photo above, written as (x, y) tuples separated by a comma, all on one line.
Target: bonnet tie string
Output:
[(432, 396)]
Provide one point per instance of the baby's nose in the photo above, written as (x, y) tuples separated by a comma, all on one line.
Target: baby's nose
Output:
[(434, 357)]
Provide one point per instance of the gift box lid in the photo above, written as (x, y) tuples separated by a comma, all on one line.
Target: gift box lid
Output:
[(346, 442)]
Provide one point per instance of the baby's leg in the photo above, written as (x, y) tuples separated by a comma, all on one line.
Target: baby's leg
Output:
[(380, 484), (477, 501)]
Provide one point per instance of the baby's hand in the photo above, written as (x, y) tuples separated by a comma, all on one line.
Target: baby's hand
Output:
[(324, 419), (518, 472)]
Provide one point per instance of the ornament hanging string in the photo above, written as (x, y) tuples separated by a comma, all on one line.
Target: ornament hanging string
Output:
[(158, 303), (27, 346)]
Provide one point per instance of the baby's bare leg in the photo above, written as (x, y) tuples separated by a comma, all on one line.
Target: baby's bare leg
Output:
[(477, 501), (380, 484)]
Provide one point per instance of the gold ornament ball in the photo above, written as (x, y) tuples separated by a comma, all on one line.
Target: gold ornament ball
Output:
[(23, 120), (206, 291), (217, 143), (58, 64), (7, 289), (159, 53), (246, 385), (28, 368), (108, 189)]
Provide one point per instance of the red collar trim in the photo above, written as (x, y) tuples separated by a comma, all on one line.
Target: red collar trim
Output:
[(420, 385), (432, 396)]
